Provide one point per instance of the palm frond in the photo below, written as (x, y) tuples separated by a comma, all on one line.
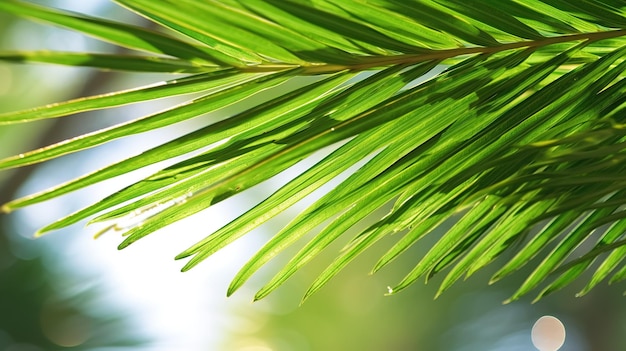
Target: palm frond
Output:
[(508, 116)]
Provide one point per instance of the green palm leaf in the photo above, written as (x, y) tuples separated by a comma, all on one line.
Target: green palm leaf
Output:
[(507, 116)]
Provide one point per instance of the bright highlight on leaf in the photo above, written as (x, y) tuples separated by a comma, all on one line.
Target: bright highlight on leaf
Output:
[(507, 117)]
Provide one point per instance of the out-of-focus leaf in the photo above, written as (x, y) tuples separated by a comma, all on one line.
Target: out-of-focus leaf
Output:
[(108, 62), (226, 95), (185, 85), (117, 33)]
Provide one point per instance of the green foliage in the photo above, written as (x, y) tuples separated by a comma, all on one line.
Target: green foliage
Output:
[(521, 137)]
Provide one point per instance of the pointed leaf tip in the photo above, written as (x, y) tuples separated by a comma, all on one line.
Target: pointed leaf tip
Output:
[(6, 208), (124, 244), (312, 290), (258, 296), (236, 284), (304, 298), (437, 294), (536, 299), (39, 233), (186, 267), (182, 255)]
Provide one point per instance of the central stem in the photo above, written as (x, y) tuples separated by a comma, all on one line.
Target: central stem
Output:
[(369, 62)]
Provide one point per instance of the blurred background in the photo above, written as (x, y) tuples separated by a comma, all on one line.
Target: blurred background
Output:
[(68, 291)]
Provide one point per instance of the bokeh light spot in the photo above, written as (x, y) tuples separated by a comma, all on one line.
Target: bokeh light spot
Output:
[(64, 326), (548, 334)]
